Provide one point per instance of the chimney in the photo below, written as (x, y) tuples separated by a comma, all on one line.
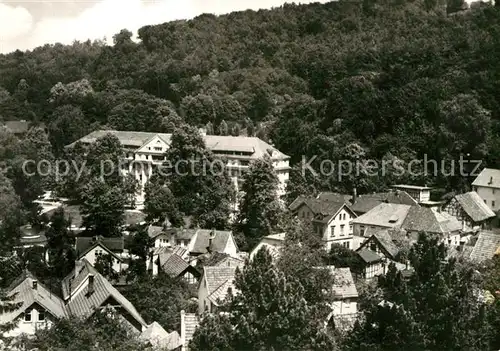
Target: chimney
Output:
[(78, 266), (91, 284), (354, 195), (210, 239), (491, 181), (35, 284)]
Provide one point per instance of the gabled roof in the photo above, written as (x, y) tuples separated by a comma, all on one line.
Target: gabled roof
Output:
[(220, 238), (22, 291), (219, 280), (369, 256), (333, 197), (427, 220), (474, 206), (173, 264), (486, 245), (83, 304), (489, 177), (84, 244), (384, 215), (253, 147), (178, 250), (220, 260)]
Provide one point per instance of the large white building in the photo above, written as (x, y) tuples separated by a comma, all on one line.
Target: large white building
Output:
[(145, 151)]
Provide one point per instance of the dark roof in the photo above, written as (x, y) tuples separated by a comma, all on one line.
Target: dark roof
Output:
[(474, 206), (220, 239), (486, 246), (368, 256), (83, 244)]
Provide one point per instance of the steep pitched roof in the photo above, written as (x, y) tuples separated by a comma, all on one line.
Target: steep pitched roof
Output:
[(219, 280), (160, 338), (172, 264), (23, 292), (474, 206), (427, 220), (220, 238), (486, 245), (384, 215), (83, 304), (84, 244), (489, 177), (344, 283), (369, 256)]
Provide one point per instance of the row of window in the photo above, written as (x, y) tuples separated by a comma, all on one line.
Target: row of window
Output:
[(28, 316)]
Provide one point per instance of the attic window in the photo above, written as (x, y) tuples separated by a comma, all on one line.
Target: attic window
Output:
[(393, 219)]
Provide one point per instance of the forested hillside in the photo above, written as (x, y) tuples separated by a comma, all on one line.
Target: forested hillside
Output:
[(397, 78)]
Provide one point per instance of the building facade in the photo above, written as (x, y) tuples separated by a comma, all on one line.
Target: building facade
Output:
[(143, 152), (487, 186)]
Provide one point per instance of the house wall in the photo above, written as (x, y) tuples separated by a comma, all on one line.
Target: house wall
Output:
[(490, 196), (339, 230), (92, 255), (163, 240), (25, 327)]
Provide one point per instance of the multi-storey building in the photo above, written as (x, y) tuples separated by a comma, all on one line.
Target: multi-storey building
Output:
[(487, 186), (145, 151)]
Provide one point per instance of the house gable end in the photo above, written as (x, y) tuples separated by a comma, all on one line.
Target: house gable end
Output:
[(154, 142)]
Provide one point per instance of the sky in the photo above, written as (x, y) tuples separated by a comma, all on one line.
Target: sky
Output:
[(27, 24)]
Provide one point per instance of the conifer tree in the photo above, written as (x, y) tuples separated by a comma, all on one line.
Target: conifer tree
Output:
[(260, 207)]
